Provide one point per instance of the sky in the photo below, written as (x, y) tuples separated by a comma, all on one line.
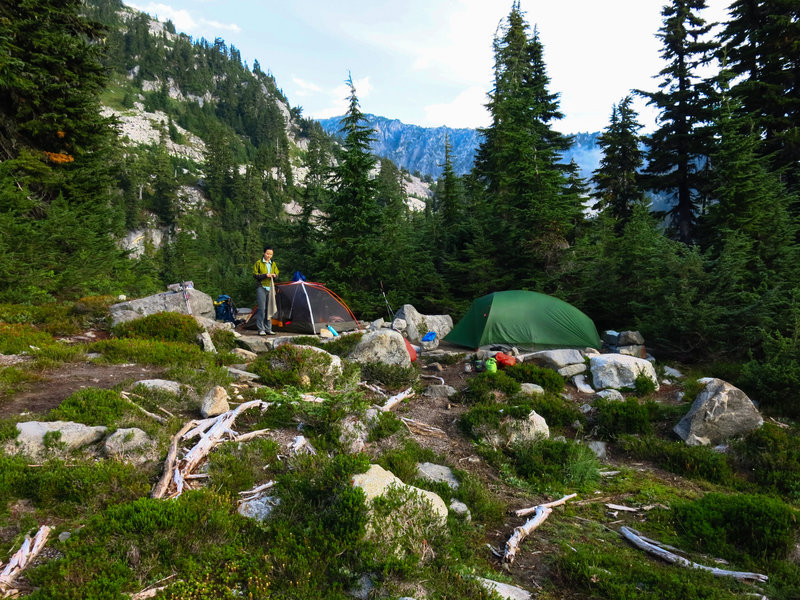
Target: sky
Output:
[(429, 62)]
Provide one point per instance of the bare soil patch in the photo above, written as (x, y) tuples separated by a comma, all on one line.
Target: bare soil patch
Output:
[(55, 385)]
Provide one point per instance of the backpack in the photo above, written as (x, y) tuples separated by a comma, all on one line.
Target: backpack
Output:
[(224, 309)]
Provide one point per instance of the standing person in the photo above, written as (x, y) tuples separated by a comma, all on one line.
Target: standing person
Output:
[(265, 271)]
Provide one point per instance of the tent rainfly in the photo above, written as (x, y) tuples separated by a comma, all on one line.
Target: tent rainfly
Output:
[(306, 307), (524, 318)]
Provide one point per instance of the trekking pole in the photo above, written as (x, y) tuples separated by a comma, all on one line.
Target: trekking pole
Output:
[(385, 299)]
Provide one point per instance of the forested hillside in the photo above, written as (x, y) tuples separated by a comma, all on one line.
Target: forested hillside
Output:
[(715, 278)]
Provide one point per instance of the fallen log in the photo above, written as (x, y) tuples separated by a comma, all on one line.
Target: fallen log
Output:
[(22, 558), (654, 548), (541, 512)]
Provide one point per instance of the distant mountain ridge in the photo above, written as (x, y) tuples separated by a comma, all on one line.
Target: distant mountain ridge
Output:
[(417, 148)]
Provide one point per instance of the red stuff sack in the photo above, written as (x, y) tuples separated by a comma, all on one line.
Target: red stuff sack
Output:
[(504, 360)]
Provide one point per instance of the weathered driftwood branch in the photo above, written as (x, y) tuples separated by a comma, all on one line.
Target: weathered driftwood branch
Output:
[(28, 551), (246, 437), (212, 432), (441, 379), (169, 464), (258, 489), (397, 399), (125, 396), (423, 428), (655, 549), (541, 512), (526, 511)]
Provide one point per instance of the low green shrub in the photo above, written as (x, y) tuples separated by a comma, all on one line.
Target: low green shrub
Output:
[(161, 327), (150, 352), (12, 379), (234, 467), (91, 406), (694, 462), (392, 377), (643, 385), (403, 461), (387, 424), (629, 416), (290, 365), (481, 387), (79, 487), (557, 411), (550, 465), (484, 507), (749, 529), (530, 373), (128, 545), (224, 340), (773, 379), (771, 457), (53, 318), (17, 338)]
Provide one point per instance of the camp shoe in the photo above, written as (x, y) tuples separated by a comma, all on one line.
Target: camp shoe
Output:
[(262, 333)]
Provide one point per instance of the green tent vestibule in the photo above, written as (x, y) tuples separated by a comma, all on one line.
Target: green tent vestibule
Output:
[(524, 318)]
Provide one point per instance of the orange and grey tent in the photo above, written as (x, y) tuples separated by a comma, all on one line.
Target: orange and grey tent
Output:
[(307, 307)]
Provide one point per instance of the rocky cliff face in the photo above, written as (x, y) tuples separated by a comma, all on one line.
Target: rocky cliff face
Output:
[(421, 149)]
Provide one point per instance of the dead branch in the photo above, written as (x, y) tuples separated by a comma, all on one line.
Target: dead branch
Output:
[(161, 487), (22, 558), (212, 432), (655, 549), (441, 379), (148, 413), (526, 511), (258, 489), (166, 412), (422, 428), (397, 399), (246, 437), (621, 507), (541, 512)]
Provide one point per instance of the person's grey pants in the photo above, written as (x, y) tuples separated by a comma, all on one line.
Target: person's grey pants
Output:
[(262, 295)]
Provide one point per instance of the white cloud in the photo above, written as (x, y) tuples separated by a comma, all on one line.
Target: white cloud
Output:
[(466, 110), (340, 98), (305, 88), (225, 26)]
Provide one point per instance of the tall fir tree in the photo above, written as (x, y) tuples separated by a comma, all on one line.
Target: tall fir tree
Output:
[(351, 256), (760, 44), (616, 180), (518, 160), (57, 155), (678, 150)]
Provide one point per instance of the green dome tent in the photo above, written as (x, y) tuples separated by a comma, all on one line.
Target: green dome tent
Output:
[(524, 318)]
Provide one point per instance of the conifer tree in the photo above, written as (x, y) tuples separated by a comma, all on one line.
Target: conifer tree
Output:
[(761, 50), (678, 149), (352, 254), (518, 160), (56, 155), (616, 181)]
